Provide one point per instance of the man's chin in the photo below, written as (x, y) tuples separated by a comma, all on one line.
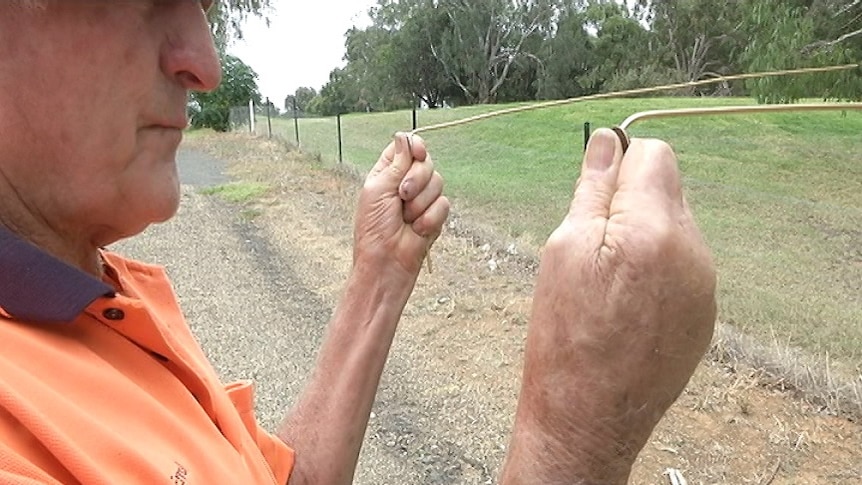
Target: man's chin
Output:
[(162, 208), (167, 208)]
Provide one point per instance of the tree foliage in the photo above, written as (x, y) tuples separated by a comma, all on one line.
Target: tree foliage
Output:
[(300, 99), (802, 34), (226, 18), (239, 85), (451, 52), (239, 81)]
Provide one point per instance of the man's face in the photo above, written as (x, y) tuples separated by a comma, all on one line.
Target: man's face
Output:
[(92, 107)]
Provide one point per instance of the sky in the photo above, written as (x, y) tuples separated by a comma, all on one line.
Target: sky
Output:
[(304, 42)]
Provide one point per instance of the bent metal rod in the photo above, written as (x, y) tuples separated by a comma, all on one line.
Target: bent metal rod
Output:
[(620, 130)]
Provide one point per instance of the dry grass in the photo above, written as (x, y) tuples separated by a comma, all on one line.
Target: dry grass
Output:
[(832, 387)]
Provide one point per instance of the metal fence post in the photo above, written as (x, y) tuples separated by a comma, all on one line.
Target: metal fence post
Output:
[(338, 120), (415, 102), (586, 134), (268, 119), (251, 116), (295, 121)]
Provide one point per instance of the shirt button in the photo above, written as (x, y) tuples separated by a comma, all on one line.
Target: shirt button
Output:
[(114, 314)]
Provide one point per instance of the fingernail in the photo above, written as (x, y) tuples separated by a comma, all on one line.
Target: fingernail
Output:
[(601, 151), (405, 189)]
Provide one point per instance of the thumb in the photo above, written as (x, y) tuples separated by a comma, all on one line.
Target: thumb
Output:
[(394, 162), (598, 181)]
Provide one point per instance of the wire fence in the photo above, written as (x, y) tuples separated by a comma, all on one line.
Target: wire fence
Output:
[(324, 136)]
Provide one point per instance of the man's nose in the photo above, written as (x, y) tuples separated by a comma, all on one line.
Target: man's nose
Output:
[(189, 54)]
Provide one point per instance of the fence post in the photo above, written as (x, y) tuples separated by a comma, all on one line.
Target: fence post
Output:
[(268, 119), (415, 102), (295, 122), (338, 120), (586, 134), (251, 116)]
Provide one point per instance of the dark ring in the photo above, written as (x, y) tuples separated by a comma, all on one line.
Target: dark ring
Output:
[(624, 139)]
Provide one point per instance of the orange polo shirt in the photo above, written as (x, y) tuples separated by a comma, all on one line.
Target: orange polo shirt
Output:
[(109, 387)]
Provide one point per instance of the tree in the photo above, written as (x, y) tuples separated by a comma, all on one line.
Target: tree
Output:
[(334, 97), (567, 57), (415, 71), (626, 54), (484, 40), (371, 69), (389, 64), (701, 36), (226, 18), (800, 33), (238, 86), (840, 25), (302, 96)]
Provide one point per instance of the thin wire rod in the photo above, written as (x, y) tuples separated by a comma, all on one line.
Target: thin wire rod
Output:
[(725, 110), (631, 92), (620, 129)]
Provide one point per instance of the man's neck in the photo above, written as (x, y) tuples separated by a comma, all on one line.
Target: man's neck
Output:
[(74, 249)]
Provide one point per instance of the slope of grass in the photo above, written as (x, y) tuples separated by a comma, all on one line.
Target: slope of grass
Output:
[(779, 196)]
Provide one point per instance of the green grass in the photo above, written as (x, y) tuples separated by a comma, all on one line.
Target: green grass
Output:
[(238, 192), (779, 196)]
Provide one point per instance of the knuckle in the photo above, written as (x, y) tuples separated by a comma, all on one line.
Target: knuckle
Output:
[(559, 240), (659, 149)]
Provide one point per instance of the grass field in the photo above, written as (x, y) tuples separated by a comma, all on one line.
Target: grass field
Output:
[(779, 196)]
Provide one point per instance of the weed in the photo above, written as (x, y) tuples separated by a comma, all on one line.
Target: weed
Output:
[(238, 192)]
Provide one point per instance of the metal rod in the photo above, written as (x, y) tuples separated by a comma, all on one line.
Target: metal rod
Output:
[(727, 110), (338, 121), (587, 133), (632, 92), (295, 121)]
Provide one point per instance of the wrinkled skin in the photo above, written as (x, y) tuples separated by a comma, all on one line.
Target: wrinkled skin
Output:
[(624, 310), (401, 208)]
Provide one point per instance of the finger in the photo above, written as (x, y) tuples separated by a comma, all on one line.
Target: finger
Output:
[(650, 168), (385, 159), (396, 159), (417, 178), (423, 200), (598, 181), (417, 146), (402, 160), (430, 223)]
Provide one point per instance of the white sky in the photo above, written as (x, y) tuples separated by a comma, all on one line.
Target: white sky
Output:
[(305, 41)]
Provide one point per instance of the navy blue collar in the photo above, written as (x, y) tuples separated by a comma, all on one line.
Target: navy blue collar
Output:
[(37, 287)]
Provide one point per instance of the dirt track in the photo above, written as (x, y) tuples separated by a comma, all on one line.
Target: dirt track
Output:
[(258, 285)]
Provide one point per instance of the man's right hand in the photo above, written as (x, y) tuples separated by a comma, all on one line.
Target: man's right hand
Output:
[(623, 312)]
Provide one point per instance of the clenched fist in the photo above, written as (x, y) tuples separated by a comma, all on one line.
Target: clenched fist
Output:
[(624, 309), (401, 210)]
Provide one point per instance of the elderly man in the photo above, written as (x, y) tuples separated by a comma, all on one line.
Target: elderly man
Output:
[(101, 381)]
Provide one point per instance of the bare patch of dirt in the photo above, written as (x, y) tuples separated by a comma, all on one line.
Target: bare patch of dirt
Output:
[(462, 337)]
